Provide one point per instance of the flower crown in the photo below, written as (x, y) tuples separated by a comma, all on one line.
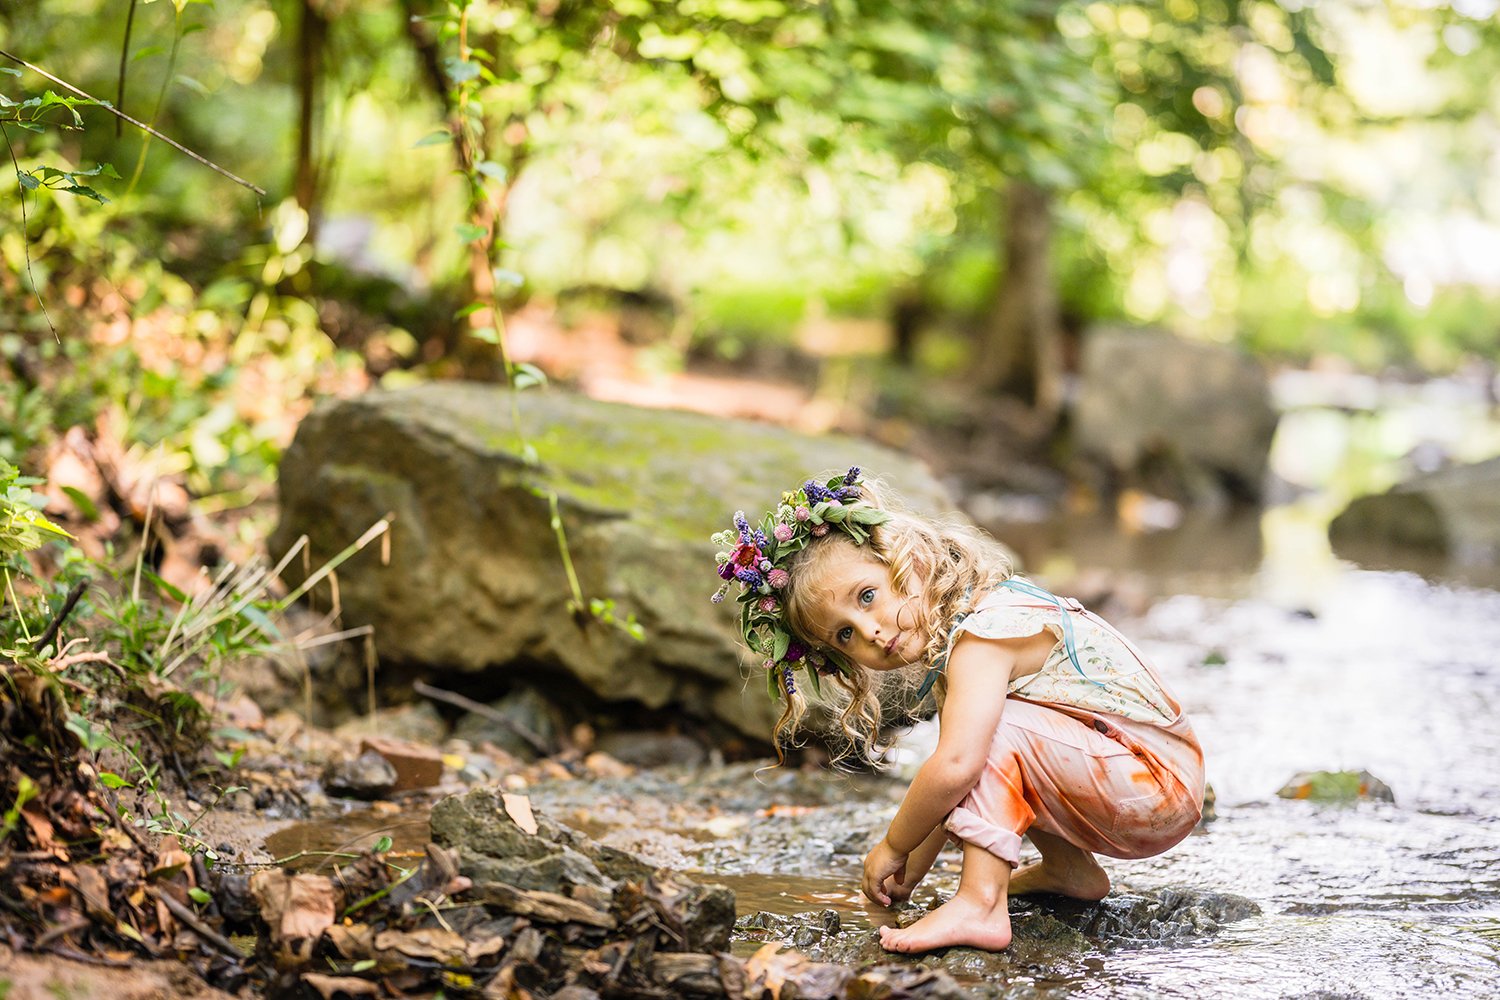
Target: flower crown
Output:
[(756, 559)]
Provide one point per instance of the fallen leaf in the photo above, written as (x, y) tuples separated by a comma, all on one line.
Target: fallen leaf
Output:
[(330, 986), (518, 808), (426, 942)]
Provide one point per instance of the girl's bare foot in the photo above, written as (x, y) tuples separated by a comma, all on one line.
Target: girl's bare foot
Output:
[(1082, 879), (961, 921)]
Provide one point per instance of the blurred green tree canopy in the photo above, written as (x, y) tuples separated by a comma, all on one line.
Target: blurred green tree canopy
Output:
[(1304, 179)]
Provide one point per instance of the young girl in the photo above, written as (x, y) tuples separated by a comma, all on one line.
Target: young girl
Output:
[(1052, 725)]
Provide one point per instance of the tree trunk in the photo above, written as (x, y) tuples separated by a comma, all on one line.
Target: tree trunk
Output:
[(1020, 351), (312, 38)]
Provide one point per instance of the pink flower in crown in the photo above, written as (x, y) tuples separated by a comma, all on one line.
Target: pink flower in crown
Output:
[(770, 605), (768, 664), (802, 513), (819, 530), (777, 578), (784, 532)]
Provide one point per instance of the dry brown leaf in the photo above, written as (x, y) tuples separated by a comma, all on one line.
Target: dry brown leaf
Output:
[(330, 986), (353, 941), (293, 906), (518, 808), (94, 892), (425, 942)]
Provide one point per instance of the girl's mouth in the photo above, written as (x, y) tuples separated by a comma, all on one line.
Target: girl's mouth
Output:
[(890, 646)]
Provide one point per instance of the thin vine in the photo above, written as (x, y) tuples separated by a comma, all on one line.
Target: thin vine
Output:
[(465, 77)]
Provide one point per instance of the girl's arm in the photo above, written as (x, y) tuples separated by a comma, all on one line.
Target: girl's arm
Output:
[(979, 672)]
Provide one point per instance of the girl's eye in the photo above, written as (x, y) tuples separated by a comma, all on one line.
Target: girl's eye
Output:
[(844, 634), (867, 596)]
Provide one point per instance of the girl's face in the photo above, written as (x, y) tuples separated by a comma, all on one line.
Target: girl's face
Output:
[(861, 614)]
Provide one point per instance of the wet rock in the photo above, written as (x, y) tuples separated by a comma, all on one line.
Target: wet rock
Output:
[(415, 765), (368, 776), (1164, 915), (1044, 931), (1185, 420), (1336, 786), (493, 847), (1454, 512), (524, 724), (651, 749), (474, 582), (1210, 806)]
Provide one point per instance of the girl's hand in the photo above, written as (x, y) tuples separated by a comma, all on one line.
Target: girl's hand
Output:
[(880, 864)]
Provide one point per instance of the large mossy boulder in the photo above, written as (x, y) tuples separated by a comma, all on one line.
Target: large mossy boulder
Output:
[(1453, 513), (1183, 419), (474, 581)]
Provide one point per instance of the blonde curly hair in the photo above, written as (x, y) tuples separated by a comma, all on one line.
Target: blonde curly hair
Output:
[(944, 563)]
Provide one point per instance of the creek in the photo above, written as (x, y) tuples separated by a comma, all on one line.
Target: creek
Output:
[(1287, 660)]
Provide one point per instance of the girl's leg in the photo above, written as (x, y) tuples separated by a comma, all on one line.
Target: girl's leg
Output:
[(1064, 869), (978, 915)]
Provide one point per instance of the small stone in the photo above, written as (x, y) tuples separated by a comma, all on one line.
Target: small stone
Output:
[(368, 776), (416, 766), (603, 765)]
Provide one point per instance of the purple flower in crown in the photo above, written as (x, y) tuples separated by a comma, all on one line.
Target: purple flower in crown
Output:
[(846, 493), (748, 576), (815, 492), (784, 532), (794, 652), (851, 476), (786, 678), (744, 528), (760, 538)]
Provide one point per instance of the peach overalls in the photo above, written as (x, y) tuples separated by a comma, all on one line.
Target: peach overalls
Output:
[(1103, 758)]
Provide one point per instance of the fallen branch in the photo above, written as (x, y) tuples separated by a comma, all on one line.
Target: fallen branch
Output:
[(50, 632), (190, 920)]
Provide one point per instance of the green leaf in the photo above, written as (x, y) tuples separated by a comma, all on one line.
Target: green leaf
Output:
[(28, 182), (508, 279), (83, 502), (782, 641), (527, 375), (163, 587), (86, 192), (460, 70), (363, 965), (485, 334), (439, 137), (469, 310), (382, 845), (199, 896), (812, 678), (492, 170), (111, 780), (468, 232), (771, 687)]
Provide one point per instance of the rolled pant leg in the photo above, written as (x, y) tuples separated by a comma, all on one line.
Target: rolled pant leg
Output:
[(1051, 769)]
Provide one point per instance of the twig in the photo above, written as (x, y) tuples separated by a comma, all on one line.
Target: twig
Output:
[(191, 921), (61, 930), (50, 632), (25, 238), (210, 164), (470, 705)]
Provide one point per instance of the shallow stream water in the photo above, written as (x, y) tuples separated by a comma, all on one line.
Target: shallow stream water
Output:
[(1286, 660)]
